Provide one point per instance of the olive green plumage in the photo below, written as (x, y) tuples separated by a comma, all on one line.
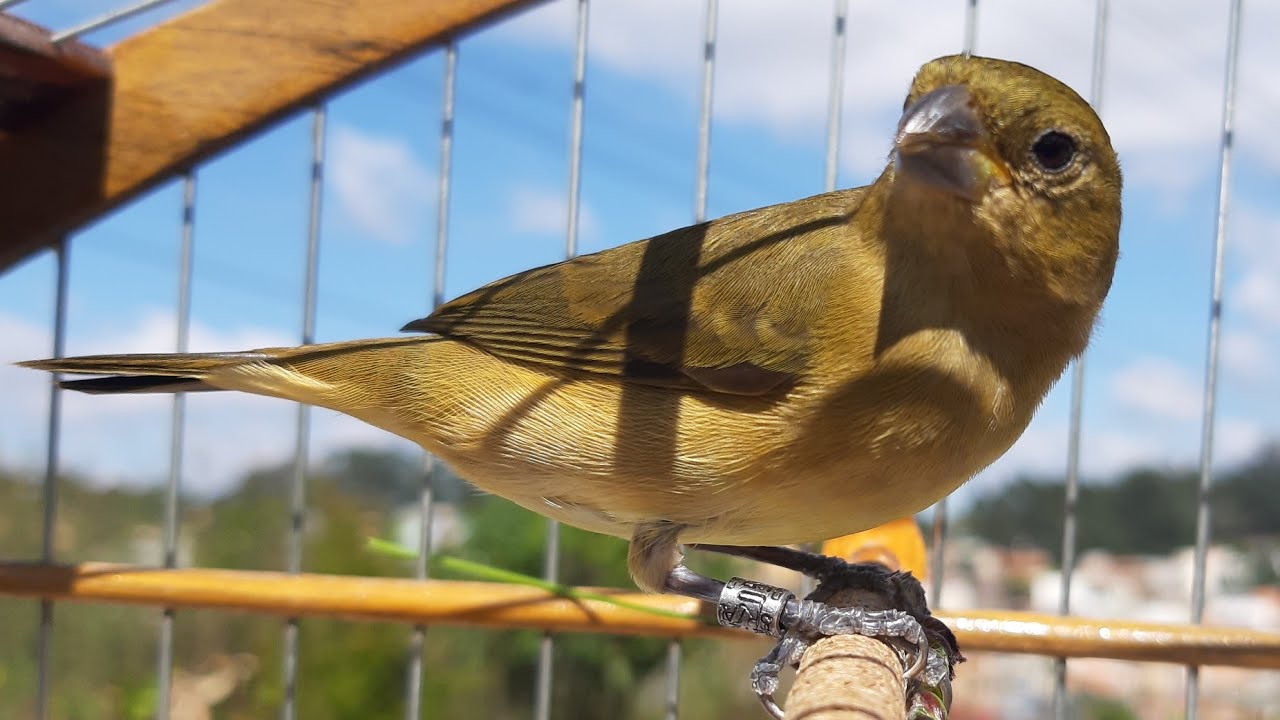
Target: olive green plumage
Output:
[(786, 374)]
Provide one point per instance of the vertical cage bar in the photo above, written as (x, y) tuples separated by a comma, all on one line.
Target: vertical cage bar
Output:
[(970, 26), (426, 498), (1071, 494), (551, 554), (575, 131), (938, 539), (49, 491), (298, 486), (675, 651), (177, 429), (1212, 350), (671, 706), (835, 101), (446, 171), (704, 121)]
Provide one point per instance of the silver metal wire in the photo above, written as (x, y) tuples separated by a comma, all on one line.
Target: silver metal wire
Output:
[(675, 651), (704, 122), (575, 131), (835, 101), (426, 497), (1071, 493), (105, 19), (49, 491), (938, 536), (551, 554), (6, 4), (1212, 350), (937, 549), (970, 26), (446, 171), (178, 423), (298, 486)]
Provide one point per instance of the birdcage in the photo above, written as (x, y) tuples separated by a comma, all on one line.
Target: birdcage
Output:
[(106, 126)]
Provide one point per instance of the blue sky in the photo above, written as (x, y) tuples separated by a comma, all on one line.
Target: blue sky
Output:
[(1161, 102)]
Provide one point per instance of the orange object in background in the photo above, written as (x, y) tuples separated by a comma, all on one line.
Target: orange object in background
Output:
[(897, 544)]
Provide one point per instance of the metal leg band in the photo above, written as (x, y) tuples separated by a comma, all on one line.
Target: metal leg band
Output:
[(753, 606)]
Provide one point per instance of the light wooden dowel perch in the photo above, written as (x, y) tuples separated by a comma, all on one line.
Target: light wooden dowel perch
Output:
[(848, 677)]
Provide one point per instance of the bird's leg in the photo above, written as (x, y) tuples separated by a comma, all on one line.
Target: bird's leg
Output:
[(807, 563), (774, 611)]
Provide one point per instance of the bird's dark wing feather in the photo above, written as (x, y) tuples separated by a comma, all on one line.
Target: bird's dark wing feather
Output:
[(725, 306)]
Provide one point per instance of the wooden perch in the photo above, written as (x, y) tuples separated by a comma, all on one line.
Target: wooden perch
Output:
[(517, 606), (193, 86), (849, 677)]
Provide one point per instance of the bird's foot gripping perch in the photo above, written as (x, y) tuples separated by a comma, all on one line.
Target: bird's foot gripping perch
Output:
[(925, 645)]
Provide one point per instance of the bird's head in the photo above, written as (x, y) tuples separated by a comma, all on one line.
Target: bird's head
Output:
[(1023, 161)]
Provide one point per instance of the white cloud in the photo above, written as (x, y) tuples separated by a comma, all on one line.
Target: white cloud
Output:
[(546, 212), (1108, 450), (1254, 232), (1166, 400), (1246, 354), (1104, 452), (1255, 238), (379, 183), (1237, 440), (1163, 80), (124, 439), (1258, 296), (22, 398), (1158, 388)]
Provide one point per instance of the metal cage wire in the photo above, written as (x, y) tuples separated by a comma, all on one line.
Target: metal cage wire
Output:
[(545, 678)]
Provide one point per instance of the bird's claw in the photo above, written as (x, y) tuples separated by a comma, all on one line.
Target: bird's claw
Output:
[(814, 620), (773, 611), (764, 676), (817, 620)]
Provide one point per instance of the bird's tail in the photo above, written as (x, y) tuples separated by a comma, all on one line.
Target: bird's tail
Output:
[(304, 373), (177, 372)]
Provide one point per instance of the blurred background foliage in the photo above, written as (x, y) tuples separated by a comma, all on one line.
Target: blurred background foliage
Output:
[(104, 657)]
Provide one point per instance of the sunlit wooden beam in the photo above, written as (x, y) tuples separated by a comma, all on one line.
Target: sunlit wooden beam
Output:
[(194, 85)]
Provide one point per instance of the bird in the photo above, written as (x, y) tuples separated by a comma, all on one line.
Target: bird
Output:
[(782, 375)]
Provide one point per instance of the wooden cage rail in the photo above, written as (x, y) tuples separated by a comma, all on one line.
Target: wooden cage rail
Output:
[(445, 602), (183, 90)]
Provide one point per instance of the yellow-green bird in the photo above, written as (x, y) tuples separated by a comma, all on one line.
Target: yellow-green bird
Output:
[(786, 374)]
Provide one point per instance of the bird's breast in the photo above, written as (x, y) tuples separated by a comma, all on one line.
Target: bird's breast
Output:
[(884, 443)]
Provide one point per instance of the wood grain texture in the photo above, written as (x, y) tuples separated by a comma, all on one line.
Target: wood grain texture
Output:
[(28, 56), (848, 677), (195, 85), (1019, 632), (442, 602), (511, 606)]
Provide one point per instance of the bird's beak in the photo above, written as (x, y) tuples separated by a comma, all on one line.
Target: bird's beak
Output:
[(942, 142)]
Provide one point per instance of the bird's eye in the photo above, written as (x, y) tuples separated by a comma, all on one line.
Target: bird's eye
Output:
[(1054, 151)]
